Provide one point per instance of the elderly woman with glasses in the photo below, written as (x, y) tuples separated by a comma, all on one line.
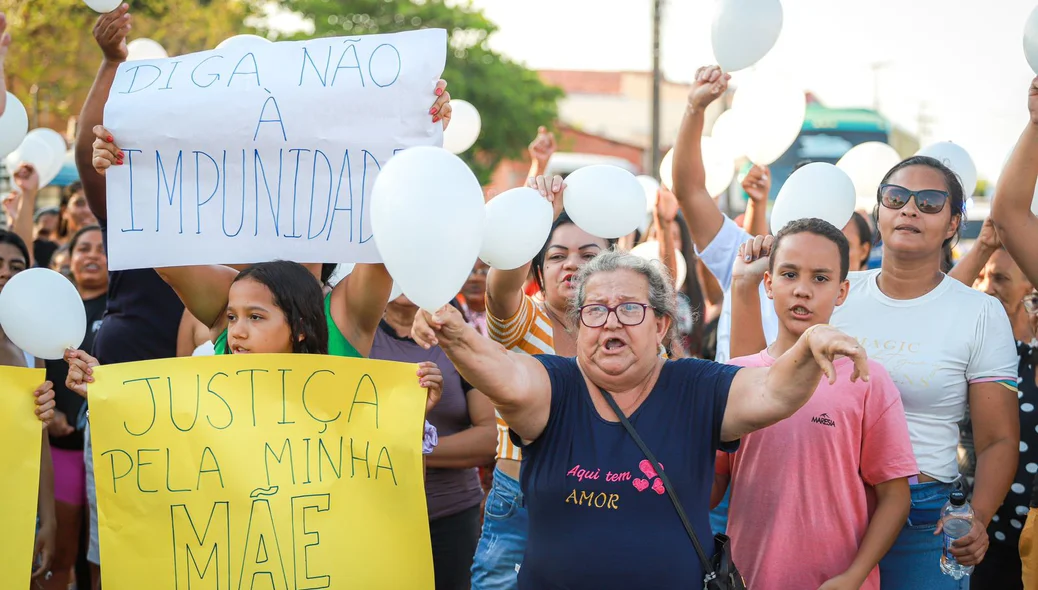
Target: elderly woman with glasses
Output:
[(599, 513)]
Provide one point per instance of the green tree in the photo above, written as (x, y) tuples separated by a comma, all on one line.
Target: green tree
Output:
[(511, 99), (53, 57)]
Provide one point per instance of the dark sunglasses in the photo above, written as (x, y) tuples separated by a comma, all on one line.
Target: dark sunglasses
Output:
[(929, 201)]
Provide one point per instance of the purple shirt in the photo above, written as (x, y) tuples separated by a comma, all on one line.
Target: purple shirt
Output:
[(447, 491)]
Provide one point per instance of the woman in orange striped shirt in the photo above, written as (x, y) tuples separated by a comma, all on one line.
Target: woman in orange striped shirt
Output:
[(534, 325)]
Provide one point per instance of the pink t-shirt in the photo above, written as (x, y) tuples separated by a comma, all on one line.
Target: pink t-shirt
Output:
[(798, 488)]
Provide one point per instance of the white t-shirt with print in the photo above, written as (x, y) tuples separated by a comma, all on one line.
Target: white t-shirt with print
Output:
[(719, 258), (934, 347)]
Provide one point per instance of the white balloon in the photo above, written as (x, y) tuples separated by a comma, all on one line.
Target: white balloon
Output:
[(605, 201), (867, 164), (464, 128), (719, 165), (42, 313), (14, 123), (422, 190), (651, 186), (57, 143), (140, 49), (243, 42), (744, 31), (774, 109), (651, 251), (396, 292), (1031, 40), (666, 174), (728, 131), (958, 159), (818, 190), (518, 223), (103, 6), (38, 152)]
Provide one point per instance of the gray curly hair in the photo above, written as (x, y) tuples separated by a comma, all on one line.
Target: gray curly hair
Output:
[(662, 296)]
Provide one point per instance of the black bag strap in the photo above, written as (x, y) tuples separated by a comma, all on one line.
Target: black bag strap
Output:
[(707, 566)]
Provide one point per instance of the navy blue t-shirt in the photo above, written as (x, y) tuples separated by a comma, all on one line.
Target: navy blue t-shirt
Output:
[(142, 317), (599, 517)]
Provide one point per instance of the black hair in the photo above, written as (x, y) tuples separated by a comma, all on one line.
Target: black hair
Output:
[(801, 164), (66, 196), (864, 234), (298, 295), (9, 237), (327, 270), (537, 264), (956, 194), (79, 234), (817, 227)]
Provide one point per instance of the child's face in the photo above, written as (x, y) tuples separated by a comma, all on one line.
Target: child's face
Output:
[(255, 324), (806, 285)]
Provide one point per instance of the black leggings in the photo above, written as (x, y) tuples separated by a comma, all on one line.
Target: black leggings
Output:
[(1000, 569), (454, 540)]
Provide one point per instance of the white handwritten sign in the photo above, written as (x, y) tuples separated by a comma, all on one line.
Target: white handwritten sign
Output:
[(258, 153)]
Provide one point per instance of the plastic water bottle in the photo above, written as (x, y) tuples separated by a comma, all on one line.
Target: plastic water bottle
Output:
[(957, 516)]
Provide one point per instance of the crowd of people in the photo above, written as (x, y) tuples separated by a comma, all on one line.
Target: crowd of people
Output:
[(591, 423)]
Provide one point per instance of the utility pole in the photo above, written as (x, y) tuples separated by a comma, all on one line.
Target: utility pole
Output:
[(657, 9)]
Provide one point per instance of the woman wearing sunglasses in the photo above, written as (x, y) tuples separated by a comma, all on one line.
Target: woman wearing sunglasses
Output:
[(945, 345)]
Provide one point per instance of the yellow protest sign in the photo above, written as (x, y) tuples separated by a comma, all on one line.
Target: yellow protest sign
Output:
[(260, 472), (20, 440)]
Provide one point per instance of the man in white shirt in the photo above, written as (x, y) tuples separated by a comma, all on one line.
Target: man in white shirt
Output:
[(716, 238)]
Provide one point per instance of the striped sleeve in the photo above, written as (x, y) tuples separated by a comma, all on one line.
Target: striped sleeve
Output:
[(529, 331)]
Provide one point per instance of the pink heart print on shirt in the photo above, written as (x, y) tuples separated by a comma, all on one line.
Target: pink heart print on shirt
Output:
[(640, 484), (657, 486), (647, 468)]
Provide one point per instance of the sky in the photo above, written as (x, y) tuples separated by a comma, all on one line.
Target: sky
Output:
[(959, 64)]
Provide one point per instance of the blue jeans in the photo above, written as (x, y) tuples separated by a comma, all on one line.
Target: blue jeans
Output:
[(503, 542), (914, 562)]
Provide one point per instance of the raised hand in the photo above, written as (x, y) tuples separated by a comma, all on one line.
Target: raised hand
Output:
[(44, 395), (441, 109), (752, 261), (551, 189), (542, 147), (708, 85), (27, 179), (111, 30), (5, 42), (80, 371), (757, 183), (106, 153), (428, 329), (828, 343), (1032, 101), (988, 236), (431, 378), (666, 206)]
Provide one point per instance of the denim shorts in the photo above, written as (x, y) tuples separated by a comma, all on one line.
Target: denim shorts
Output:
[(503, 542), (914, 562)]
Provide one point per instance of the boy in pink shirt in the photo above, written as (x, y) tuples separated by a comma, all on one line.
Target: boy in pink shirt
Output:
[(804, 489)]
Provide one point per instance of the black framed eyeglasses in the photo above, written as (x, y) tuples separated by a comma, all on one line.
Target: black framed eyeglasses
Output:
[(928, 200), (629, 313)]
